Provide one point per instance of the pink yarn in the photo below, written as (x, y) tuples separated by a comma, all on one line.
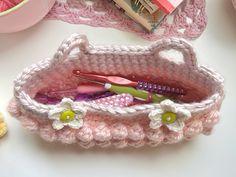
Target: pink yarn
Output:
[(67, 136), (119, 131), (8, 4), (102, 132), (189, 20), (212, 120), (85, 134), (47, 133), (30, 124), (136, 133), (155, 136), (192, 129), (173, 137), (14, 109)]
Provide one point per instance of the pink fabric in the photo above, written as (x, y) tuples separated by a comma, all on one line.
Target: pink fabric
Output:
[(8, 4), (189, 20)]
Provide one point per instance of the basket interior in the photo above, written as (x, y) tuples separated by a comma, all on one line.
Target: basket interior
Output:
[(198, 86)]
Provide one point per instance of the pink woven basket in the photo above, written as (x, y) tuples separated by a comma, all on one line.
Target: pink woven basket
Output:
[(135, 125)]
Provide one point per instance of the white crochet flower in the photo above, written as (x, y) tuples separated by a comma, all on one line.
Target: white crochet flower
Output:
[(67, 114), (169, 115)]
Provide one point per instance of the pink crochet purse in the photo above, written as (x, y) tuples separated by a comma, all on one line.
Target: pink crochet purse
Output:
[(103, 125)]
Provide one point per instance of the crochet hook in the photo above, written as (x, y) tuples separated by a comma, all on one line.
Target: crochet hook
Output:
[(150, 87), (81, 89), (138, 94)]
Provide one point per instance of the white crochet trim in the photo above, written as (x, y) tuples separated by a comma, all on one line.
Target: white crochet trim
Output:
[(80, 42)]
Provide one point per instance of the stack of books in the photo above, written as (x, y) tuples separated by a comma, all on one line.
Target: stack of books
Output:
[(149, 13)]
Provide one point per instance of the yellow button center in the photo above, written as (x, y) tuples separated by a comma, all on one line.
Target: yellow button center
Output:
[(67, 116), (168, 118)]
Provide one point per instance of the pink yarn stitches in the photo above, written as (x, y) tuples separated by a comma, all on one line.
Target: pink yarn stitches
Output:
[(120, 135), (188, 21)]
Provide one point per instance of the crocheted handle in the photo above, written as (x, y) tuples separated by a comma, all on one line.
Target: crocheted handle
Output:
[(81, 42), (75, 41), (180, 45)]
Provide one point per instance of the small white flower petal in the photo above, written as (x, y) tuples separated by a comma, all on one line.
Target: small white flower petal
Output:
[(76, 124), (58, 125), (66, 103), (155, 114), (55, 113), (168, 106), (177, 126), (155, 124), (183, 113)]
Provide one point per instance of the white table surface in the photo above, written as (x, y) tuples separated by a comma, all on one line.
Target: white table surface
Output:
[(26, 155)]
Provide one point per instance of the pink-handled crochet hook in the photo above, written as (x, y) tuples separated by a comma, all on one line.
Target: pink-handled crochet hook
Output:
[(154, 88), (106, 79), (81, 89)]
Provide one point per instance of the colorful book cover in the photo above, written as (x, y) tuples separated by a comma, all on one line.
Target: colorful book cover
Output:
[(148, 15)]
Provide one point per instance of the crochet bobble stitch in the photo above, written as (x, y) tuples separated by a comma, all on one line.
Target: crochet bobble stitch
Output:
[(119, 135), (121, 127), (3, 126), (188, 21)]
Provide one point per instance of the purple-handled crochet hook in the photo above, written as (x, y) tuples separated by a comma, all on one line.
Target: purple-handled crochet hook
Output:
[(150, 87)]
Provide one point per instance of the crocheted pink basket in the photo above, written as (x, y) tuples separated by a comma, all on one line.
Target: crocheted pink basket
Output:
[(103, 125)]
